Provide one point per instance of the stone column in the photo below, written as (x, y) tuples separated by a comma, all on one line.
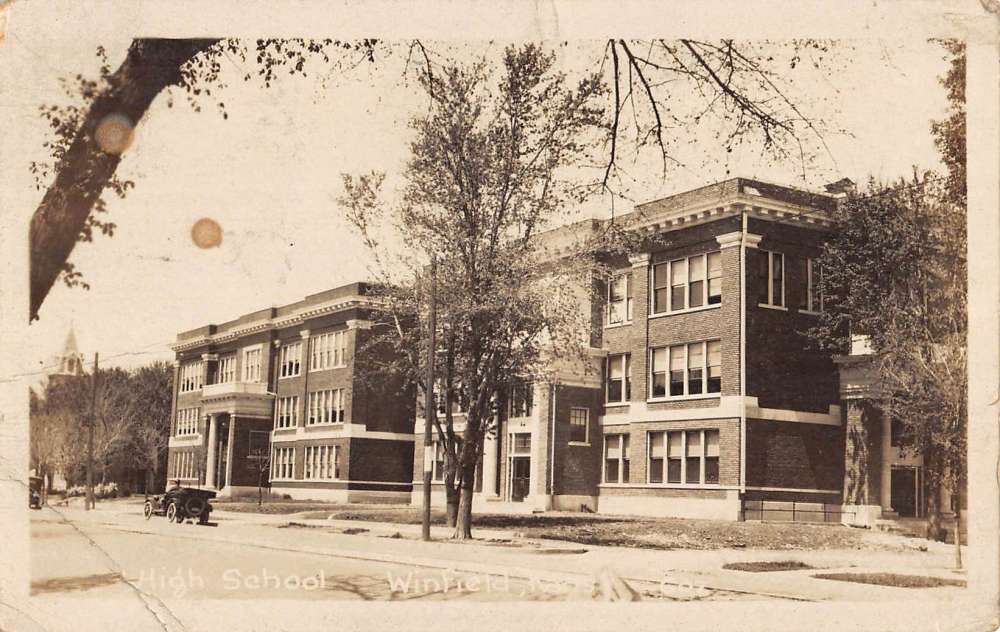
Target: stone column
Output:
[(885, 472), (490, 465), (229, 450), (210, 460)]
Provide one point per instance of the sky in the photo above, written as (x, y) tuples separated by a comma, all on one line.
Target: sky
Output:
[(270, 175)]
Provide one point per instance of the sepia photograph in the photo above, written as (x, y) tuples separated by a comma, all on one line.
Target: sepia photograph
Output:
[(455, 316)]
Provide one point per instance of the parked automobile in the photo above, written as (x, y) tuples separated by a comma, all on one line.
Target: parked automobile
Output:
[(35, 492), (181, 503)]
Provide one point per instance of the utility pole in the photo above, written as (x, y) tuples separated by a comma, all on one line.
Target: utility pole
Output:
[(429, 404), (91, 504)]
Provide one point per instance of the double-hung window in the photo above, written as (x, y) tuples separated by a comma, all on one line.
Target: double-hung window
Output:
[(321, 462), (286, 412), (772, 279), (283, 463), (191, 376), (251, 364), (328, 351), (521, 399), (227, 369), (326, 407), (684, 457), (579, 425), (187, 422), (810, 297), (687, 369), (616, 463), (618, 389), (290, 359), (620, 299), (687, 283)]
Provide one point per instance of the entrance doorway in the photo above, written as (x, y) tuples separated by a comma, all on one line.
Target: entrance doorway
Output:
[(222, 452), (904, 491), (520, 485)]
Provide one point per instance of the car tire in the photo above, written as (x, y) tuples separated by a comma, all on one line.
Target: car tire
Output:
[(147, 509), (172, 512), (194, 506)]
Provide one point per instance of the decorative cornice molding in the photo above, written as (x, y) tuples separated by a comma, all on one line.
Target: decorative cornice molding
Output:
[(355, 323), (639, 260)]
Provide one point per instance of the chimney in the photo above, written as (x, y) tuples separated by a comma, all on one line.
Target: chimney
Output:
[(841, 188)]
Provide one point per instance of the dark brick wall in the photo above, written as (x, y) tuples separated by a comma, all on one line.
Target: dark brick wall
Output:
[(244, 471), (862, 453), (794, 455), (380, 460), (784, 369), (578, 467)]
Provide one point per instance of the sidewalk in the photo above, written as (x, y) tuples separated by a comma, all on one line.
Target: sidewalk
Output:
[(687, 573)]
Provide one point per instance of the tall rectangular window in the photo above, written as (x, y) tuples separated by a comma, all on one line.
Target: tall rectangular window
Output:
[(616, 458), (714, 278), (251, 364), (678, 284), (618, 389), (696, 281), (772, 279), (692, 457), (227, 369), (326, 407), (321, 462), (689, 369), (813, 278), (328, 351), (286, 412), (191, 376), (283, 463), (620, 299), (522, 395), (290, 360), (579, 425), (187, 421)]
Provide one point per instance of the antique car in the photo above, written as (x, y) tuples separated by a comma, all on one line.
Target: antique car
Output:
[(180, 503), (35, 492)]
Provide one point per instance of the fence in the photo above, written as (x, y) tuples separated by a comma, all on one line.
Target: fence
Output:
[(792, 511)]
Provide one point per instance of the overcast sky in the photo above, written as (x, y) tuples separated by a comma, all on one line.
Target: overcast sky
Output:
[(270, 175)]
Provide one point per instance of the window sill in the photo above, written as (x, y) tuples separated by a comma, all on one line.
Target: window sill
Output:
[(683, 398), (324, 424), (670, 485), (617, 404), (288, 377), (193, 435), (774, 307), (328, 368), (585, 444), (689, 310), (618, 325), (810, 312)]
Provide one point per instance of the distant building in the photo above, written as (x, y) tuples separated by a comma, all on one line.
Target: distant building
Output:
[(284, 385), (69, 362)]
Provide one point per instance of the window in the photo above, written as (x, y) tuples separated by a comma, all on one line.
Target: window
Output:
[(227, 369), (687, 283), (681, 370), (290, 360), (619, 379), (616, 465), (187, 422), (522, 443), (620, 299), (772, 277), (286, 412), (183, 465), (328, 351), (321, 462), (811, 299), (690, 457), (251, 365), (191, 376), (522, 395), (326, 407), (579, 425), (283, 463), (438, 470), (714, 278)]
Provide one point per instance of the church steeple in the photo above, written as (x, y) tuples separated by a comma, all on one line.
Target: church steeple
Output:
[(70, 361)]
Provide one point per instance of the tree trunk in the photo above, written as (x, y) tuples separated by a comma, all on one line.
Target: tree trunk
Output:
[(958, 533), (934, 529), (463, 522), (452, 499), (84, 170)]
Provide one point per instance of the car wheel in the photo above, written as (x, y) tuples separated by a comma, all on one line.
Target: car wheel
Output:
[(194, 506), (147, 509), (172, 512)]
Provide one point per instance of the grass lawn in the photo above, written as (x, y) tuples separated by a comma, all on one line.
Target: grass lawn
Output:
[(893, 579), (650, 533), (766, 567)]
